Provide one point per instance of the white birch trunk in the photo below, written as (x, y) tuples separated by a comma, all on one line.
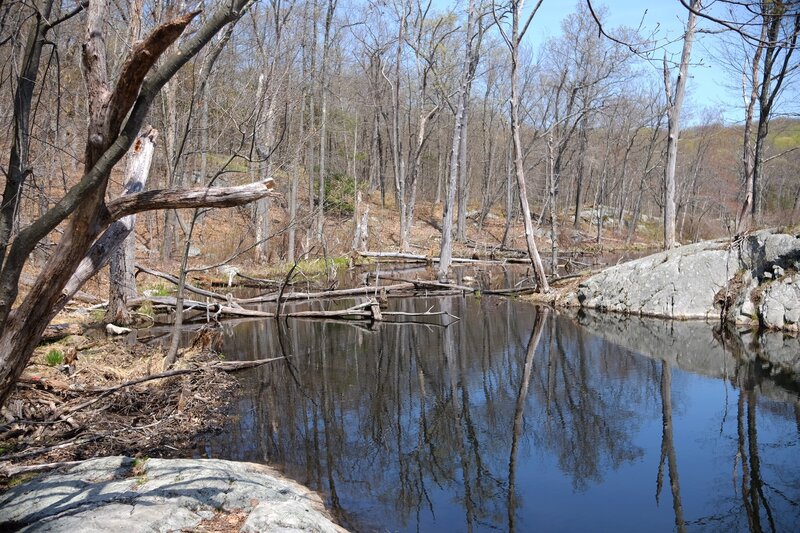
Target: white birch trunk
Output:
[(675, 102)]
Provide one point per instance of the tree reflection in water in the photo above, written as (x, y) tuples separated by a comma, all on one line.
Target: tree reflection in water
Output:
[(508, 420)]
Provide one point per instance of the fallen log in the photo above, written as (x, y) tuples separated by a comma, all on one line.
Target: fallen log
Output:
[(259, 282), (509, 292), (187, 286), (215, 308), (357, 291), (271, 297), (428, 284), (56, 332), (399, 256), (369, 310)]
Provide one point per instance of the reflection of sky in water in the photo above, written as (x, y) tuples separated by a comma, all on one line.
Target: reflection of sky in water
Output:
[(591, 427)]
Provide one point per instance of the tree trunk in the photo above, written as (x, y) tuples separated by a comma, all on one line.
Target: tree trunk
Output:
[(18, 166), (459, 131), (170, 112), (768, 92), (553, 218), (582, 155), (519, 169), (446, 253), (122, 283), (747, 144), (675, 102), (297, 166), (461, 223), (323, 128), (397, 145), (509, 196)]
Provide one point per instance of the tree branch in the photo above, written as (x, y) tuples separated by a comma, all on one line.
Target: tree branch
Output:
[(141, 59), (189, 198)]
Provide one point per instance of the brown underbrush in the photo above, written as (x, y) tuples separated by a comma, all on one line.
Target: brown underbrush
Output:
[(89, 403)]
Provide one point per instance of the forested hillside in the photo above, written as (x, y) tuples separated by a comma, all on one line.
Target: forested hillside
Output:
[(332, 98)]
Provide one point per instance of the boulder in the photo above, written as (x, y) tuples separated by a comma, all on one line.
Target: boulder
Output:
[(123, 494), (779, 305), (750, 280), (680, 283)]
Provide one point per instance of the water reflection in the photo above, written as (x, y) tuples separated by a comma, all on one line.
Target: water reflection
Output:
[(518, 419)]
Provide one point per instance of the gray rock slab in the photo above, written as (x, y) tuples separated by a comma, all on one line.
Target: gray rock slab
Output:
[(757, 277), (680, 283), (159, 495)]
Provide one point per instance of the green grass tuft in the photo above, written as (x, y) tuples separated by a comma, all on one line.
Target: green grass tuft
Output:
[(54, 357)]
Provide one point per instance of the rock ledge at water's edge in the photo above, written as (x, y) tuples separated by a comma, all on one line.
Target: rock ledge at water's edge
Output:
[(753, 280), (123, 494)]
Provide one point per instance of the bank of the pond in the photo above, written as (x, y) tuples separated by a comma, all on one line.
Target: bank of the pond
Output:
[(125, 494), (86, 399), (753, 280)]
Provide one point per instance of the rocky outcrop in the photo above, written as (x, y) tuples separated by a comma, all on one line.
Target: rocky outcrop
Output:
[(123, 494), (753, 280), (779, 306)]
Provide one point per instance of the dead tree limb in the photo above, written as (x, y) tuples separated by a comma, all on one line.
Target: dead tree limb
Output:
[(188, 287), (186, 198), (225, 366)]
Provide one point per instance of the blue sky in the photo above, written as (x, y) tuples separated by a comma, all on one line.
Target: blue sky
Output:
[(710, 87), (709, 82)]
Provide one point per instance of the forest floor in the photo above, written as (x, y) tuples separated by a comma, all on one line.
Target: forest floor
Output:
[(78, 398)]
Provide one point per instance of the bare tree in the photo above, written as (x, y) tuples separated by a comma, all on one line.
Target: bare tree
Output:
[(323, 128), (473, 34), (117, 112), (513, 43), (122, 280), (470, 63), (782, 29), (674, 109)]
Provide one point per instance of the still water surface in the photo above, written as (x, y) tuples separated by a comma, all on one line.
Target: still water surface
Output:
[(518, 419)]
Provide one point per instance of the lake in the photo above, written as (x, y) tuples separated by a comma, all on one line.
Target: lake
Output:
[(516, 418)]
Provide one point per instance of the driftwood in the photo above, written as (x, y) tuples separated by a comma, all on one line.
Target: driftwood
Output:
[(510, 292), (258, 282), (215, 308), (425, 284), (366, 311), (357, 291), (266, 298), (187, 286), (399, 256)]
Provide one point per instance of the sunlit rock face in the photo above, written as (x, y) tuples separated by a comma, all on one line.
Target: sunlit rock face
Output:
[(752, 280), (123, 494)]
